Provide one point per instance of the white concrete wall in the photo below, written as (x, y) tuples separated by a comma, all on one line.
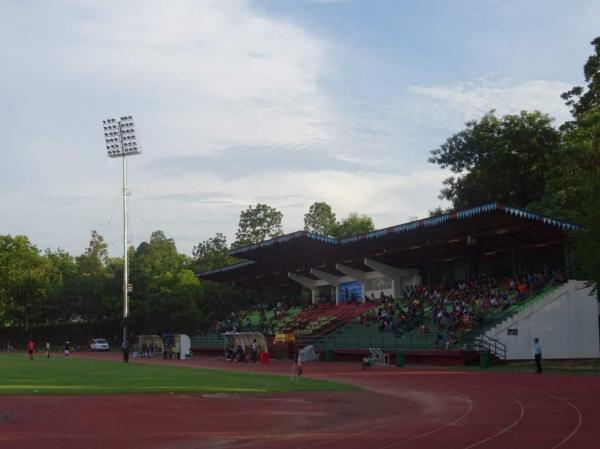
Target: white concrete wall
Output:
[(565, 321), (377, 292)]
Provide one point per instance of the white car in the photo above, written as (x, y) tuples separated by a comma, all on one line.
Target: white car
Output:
[(99, 344)]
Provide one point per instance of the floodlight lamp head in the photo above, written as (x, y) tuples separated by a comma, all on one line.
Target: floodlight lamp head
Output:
[(120, 138)]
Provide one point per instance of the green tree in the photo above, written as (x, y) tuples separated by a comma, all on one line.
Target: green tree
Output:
[(573, 190), (97, 248), (150, 260), (320, 219), (439, 211), (502, 159), (354, 224), (257, 224), (586, 164), (579, 98), (61, 302), (24, 283), (212, 253), (92, 278), (218, 300), (573, 185), (170, 304), (157, 256)]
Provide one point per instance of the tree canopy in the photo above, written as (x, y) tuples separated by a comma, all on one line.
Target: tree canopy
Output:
[(502, 159), (257, 224), (582, 99), (573, 186), (320, 219), (524, 161), (353, 224), (212, 253)]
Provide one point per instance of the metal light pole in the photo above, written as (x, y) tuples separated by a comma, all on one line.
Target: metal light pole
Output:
[(121, 142)]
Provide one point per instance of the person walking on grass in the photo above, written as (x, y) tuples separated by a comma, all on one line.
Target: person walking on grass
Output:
[(47, 349), (30, 349), (537, 355)]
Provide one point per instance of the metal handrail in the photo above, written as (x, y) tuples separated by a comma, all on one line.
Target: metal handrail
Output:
[(491, 345)]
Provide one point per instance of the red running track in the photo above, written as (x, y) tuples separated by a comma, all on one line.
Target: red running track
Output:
[(398, 408)]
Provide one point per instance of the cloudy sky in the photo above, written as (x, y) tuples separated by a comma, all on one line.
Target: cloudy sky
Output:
[(245, 101)]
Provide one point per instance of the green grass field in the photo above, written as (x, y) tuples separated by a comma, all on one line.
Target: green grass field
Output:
[(60, 375)]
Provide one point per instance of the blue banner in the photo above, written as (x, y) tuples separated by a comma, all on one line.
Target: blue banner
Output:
[(349, 291)]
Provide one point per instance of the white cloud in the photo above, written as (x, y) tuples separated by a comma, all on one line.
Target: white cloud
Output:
[(390, 198), (231, 109), (199, 77), (449, 107)]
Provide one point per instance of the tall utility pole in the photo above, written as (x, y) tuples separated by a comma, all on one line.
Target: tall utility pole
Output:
[(121, 142)]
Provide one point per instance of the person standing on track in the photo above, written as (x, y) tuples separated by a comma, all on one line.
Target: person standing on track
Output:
[(30, 349), (125, 348), (47, 349), (297, 366), (537, 355)]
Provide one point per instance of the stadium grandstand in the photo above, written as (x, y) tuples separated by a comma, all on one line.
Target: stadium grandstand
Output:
[(436, 290)]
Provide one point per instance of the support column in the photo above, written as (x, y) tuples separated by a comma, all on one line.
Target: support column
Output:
[(330, 279), (351, 272), (309, 283), (400, 276)]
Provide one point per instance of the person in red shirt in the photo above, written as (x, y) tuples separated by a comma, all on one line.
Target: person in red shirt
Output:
[(30, 349)]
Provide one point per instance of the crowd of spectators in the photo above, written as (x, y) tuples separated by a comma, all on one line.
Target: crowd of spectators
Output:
[(460, 306), (445, 309), (241, 321), (455, 306), (239, 354), (393, 315)]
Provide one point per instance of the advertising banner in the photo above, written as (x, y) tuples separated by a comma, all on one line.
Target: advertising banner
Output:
[(350, 291)]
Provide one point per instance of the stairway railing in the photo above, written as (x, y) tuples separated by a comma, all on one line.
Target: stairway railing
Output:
[(485, 343)]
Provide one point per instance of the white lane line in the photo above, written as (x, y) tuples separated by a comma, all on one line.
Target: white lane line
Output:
[(505, 429), (346, 437), (579, 419), (431, 432)]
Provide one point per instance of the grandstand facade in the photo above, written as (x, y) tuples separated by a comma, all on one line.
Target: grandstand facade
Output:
[(449, 246), (362, 281)]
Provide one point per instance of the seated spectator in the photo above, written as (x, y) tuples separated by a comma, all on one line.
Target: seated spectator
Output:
[(239, 354), (229, 353)]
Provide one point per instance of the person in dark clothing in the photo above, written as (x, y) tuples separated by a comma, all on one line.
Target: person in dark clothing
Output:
[(537, 355), (30, 349), (254, 351), (239, 354), (125, 348)]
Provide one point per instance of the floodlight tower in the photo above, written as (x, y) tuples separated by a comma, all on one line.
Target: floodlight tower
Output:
[(121, 142)]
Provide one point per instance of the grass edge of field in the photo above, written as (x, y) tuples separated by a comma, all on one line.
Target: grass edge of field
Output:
[(320, 384), (585, 367)]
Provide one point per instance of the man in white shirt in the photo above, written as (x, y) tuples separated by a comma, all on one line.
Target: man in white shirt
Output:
[(537, 355)]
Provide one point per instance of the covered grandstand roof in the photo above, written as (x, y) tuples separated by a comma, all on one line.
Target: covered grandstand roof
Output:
[(484, 231)]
